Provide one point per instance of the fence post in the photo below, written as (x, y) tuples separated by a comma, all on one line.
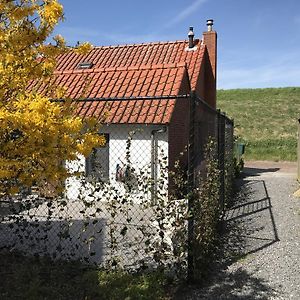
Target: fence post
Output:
[(298, 150), (221, 156), (190, 192), (229, 164)]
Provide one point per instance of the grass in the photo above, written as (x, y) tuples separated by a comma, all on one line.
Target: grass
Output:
[(265, 119), (40, 278)]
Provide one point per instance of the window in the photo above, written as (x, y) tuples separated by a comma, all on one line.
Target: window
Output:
[(97, 164), (85, 65)]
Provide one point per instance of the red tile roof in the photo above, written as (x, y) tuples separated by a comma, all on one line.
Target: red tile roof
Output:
[(144, 70), (138, 55)]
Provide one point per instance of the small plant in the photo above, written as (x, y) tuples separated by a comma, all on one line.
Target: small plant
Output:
[(238, 166), (207, 213)]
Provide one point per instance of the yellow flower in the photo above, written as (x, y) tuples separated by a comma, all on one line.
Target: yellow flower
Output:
[(83, 48), (36, 135), (51, 12)]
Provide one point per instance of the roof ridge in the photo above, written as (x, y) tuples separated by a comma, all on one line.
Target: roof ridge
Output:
[(129, 68), (143, 44)]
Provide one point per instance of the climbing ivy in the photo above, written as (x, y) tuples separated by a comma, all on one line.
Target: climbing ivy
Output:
[(207, 212)]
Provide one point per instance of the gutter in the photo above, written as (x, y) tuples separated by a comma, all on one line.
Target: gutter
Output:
[(162, 97)]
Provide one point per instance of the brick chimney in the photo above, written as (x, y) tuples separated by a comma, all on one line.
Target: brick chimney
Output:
[(210, 40)]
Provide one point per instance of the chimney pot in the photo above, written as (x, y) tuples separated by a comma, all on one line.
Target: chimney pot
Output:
[(209, 24), (191, 37)]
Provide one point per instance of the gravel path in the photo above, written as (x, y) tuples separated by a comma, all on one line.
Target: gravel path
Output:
[(262, 250)]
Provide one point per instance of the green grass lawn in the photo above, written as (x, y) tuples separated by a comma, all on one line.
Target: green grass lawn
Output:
[(40, 278), (265, 119)]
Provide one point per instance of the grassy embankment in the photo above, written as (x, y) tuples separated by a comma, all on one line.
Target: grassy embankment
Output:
[(265, 119)]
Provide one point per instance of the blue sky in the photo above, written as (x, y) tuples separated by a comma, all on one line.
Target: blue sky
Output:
[(258, 40)]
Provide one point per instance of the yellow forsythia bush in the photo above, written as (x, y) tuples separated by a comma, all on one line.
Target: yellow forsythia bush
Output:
[(36, 136)]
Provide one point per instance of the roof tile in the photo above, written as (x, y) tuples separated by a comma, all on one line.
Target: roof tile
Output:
[(144, 70)]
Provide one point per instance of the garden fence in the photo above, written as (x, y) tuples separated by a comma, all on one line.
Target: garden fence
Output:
[(298, 155), (130, 209)]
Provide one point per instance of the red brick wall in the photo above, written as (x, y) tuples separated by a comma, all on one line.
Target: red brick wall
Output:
[(200, 86), (210, 62), (179, 127), (209, 83), (210, 40), (206, 89)]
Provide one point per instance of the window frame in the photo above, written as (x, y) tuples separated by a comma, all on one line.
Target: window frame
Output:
[(91, 173)]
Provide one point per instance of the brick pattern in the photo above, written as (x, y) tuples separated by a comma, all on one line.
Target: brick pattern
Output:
[(210, 41), (179, 128)]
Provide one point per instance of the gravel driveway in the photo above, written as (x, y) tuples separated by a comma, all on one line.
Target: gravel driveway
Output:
[(261, 256)]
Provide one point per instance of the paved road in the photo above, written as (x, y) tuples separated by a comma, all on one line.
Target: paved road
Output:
[(262, 253)]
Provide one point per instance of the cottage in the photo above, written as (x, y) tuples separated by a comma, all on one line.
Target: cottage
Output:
[(140, 91), (153, 100)]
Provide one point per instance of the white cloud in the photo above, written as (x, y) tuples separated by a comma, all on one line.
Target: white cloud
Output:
[(73, 34), (185, 13), (157, 35)]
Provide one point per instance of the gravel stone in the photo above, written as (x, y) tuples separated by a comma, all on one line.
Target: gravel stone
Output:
[(261, 249)]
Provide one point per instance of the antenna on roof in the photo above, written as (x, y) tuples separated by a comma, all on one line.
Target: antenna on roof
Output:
[(191, 37)]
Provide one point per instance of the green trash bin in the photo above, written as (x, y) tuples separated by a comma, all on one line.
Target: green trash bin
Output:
[(239, 151), (240, 148)]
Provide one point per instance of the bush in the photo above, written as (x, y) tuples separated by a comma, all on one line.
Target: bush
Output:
[(207, 213)]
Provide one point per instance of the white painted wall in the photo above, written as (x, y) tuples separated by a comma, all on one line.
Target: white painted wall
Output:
[(140, 156)]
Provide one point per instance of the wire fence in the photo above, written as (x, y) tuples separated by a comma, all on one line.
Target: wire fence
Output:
[(130, 208), (298, 154)]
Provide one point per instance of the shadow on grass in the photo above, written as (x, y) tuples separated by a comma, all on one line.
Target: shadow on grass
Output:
[(41, 278)]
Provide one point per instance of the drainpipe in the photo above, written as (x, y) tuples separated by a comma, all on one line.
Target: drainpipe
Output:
[(154, 161)]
